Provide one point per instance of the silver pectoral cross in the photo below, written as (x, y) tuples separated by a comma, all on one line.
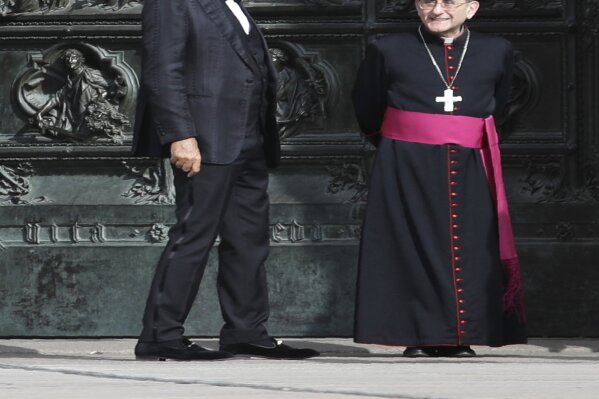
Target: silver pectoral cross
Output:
[(449, 100)]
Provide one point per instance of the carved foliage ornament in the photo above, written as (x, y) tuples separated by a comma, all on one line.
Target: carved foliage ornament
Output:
[(546, 182), (14, 183), (153, 184), (307, 86), (77, 93), (158, 233), (351, 177)]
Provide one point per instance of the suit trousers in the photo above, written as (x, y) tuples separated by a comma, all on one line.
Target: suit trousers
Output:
[(229, 201)]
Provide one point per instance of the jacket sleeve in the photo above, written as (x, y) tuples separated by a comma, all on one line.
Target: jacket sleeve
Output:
[(370, 93), (165, 28)]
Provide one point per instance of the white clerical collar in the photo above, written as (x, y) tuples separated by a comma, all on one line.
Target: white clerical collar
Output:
[(450, 40), (236, 10)]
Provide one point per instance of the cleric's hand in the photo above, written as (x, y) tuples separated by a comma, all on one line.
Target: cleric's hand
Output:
[(185, 155)]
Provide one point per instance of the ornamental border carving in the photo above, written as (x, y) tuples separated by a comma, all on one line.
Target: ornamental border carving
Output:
[(156, 233)]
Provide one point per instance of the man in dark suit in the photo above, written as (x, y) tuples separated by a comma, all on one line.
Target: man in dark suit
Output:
[(207, 100)]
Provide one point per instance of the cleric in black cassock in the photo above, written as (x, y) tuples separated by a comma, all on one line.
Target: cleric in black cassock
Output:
[(430, 276)]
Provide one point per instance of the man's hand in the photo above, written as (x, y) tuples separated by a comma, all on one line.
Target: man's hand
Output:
[(185, 155)]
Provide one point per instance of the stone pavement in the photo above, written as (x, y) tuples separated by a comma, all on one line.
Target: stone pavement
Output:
[(106, 369)]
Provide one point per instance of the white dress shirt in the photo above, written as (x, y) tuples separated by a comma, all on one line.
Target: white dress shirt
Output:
[(236, 10)]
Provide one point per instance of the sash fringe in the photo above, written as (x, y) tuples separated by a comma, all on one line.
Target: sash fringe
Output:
[(513, 293)]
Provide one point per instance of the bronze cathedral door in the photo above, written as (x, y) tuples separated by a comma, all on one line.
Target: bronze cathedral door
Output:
[(82, 222)]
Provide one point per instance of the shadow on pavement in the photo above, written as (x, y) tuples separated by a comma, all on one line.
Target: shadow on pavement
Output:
[(330, 352)]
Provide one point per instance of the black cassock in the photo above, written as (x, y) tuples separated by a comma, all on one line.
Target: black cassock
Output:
[(429, 268)]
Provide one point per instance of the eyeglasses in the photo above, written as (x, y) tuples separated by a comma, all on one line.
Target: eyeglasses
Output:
[(445, 4)]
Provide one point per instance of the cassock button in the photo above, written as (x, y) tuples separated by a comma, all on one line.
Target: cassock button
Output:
[(451, 77), (449, 47), (454, 215), (456, 237), (456, 108), (453, 162), (454, 88), (453, 183), (453, 150), (462, 332), (450, 57), (459, 280), (458, 269), (456, 248), (461, 301), (455, 226), (460, 290), (462, 311), (462, 322), (457, 258), (451, 67), (454, 205), (454, 194), (453, 172)]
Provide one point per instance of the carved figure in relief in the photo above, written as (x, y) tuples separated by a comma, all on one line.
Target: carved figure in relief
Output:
[(118, 4), (18, 6), (84, 107), (6, 6), (56, 4), (302, 91), (113, 5), (292, 92)]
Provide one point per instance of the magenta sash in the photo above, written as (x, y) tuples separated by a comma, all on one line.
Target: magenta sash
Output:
[(466, 131)]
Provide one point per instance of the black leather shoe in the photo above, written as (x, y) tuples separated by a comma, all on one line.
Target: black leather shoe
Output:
[(419, 351), (181, 349), (456, 351), (274, 349)]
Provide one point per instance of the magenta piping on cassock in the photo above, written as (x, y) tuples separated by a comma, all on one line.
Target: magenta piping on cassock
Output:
[(470, 132)]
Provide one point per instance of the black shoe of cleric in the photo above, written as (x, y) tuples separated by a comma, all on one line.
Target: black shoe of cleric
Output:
[(270, 349), (456, 351), (419, 351), (181, 349)]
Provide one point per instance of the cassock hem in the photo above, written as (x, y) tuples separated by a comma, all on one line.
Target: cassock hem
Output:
[(388, 342)]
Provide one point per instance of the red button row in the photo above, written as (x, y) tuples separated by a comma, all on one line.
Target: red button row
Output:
[(454, 235)]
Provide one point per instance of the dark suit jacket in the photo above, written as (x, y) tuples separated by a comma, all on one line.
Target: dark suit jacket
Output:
[(197, 72)]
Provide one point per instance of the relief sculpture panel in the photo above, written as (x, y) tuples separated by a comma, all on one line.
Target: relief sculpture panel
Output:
[(75, 93), (306, 87)]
